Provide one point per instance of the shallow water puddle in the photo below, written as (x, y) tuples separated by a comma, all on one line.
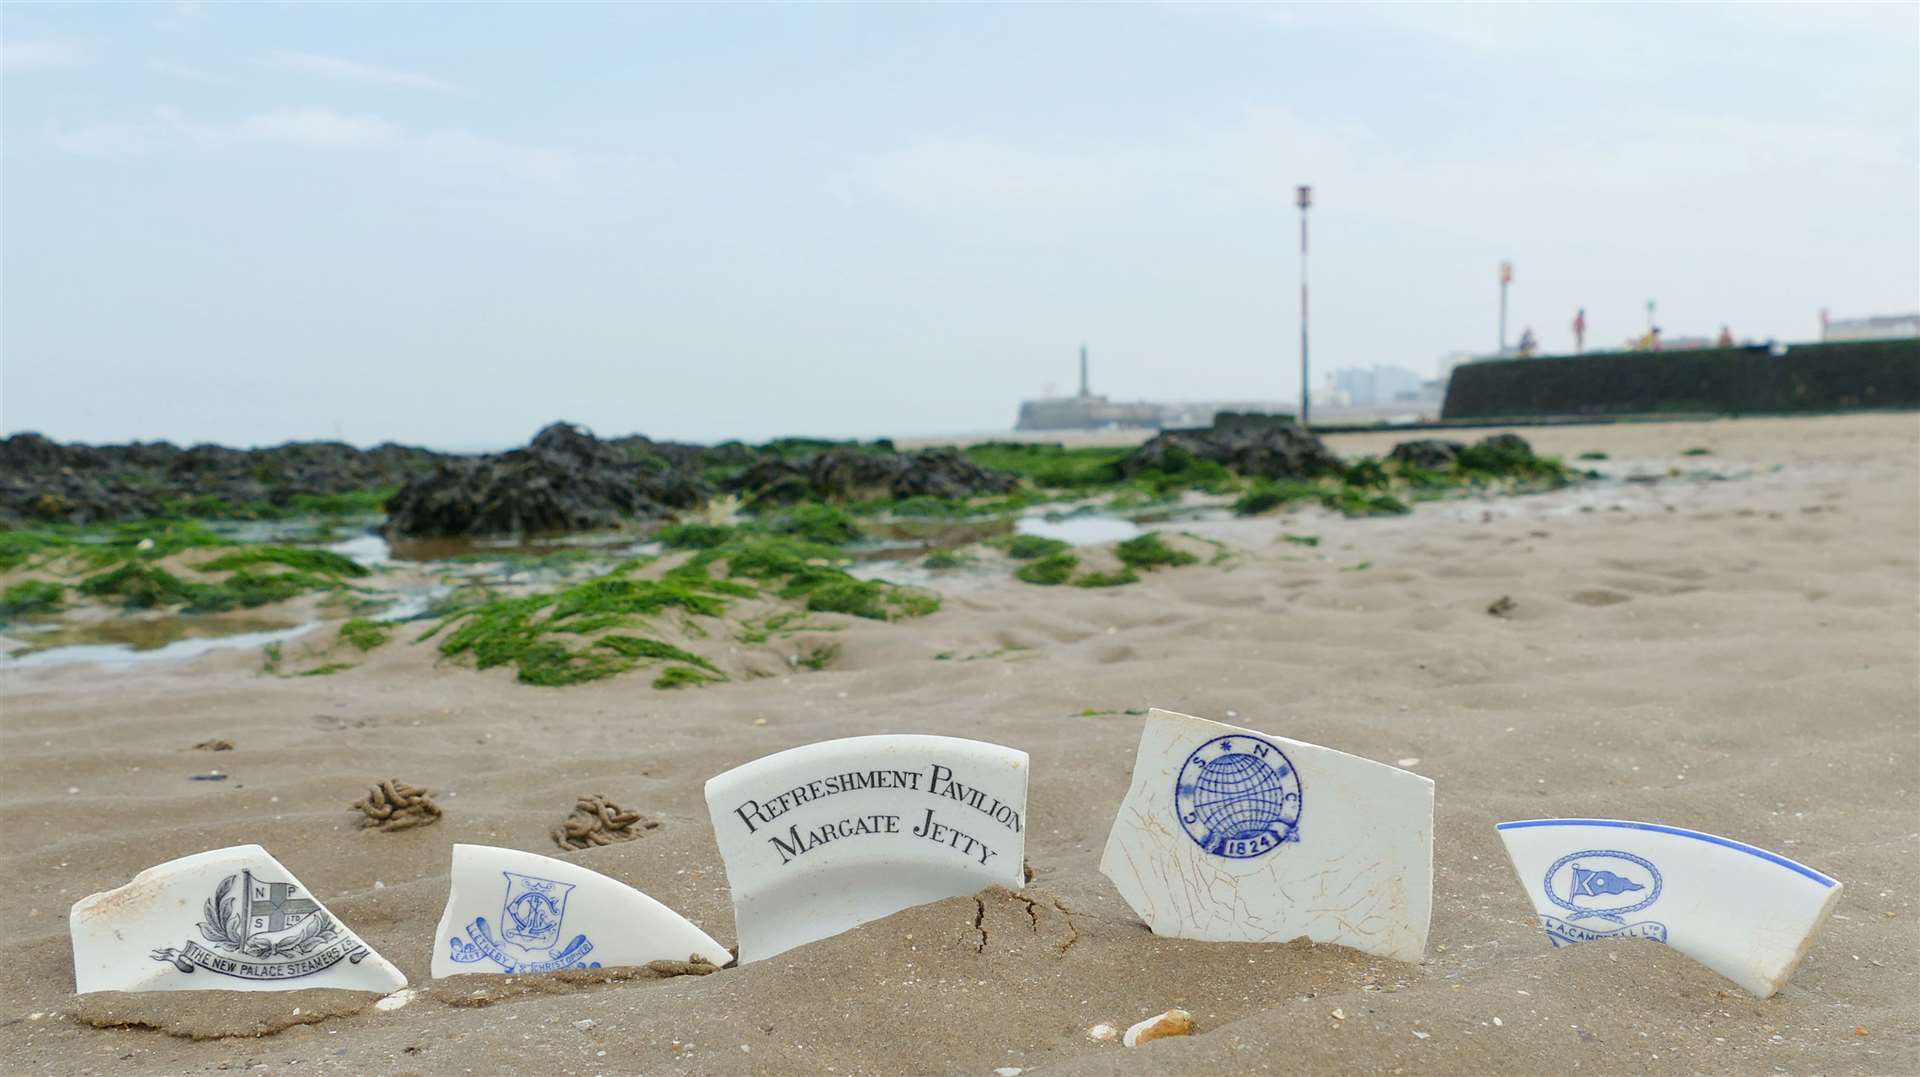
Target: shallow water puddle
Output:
[(1079, 530), (130, 643)]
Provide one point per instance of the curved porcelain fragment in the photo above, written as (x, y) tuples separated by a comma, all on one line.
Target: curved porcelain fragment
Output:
[(1233, 835), (229, 919), (514, 911), (1743, 912), (825, 837)]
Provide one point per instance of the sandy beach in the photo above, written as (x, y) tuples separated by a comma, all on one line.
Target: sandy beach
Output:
[(1726, 642)]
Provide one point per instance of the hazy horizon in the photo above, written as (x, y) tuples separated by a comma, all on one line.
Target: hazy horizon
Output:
[(450, 225)]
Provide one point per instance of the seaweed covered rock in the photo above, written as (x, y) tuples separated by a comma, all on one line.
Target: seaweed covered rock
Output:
[(564, 480), (844, 474), (1430, 454), (44, 481), (1275, 449)]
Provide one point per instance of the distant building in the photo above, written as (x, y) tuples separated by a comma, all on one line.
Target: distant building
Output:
[(1876, 327), (1090, 411), (1367, 387)]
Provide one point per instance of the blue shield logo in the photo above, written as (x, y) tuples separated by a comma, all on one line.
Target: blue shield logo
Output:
[(531, 914)]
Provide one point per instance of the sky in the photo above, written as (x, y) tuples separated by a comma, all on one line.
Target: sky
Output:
[(449, 225)]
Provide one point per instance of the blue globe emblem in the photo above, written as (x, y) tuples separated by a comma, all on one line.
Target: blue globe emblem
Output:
[(1238, 796)]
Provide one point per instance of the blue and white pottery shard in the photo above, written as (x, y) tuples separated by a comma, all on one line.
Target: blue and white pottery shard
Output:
[(824, 837), (230, 919), (1747, 914), (1234, 835), (519, 912)]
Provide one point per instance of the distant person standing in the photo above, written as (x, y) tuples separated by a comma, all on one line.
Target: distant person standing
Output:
[(1726, 337), (1528, 345), (1580, 331)]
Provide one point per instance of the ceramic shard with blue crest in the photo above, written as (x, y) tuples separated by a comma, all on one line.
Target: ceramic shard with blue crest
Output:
[(1236, 835), (224, 920), (1746, 913), (512, 911)]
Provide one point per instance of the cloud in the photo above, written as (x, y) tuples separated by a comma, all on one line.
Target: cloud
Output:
[(167, 127), (27, 55), (182, 71), (321, 128), (334, 67), (558, 169)]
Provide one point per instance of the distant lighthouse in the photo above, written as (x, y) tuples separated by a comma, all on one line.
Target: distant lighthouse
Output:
[(1084, 391)]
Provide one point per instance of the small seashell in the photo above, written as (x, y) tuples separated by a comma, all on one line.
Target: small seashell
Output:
[(1171, 1023)]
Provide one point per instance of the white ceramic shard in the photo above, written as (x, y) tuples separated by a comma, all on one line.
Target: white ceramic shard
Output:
[(225, 920), (1743, 912), (511, 911), (1238, 836), (828, 836)]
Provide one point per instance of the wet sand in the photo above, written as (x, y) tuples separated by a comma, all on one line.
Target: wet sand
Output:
[(1734, 654)]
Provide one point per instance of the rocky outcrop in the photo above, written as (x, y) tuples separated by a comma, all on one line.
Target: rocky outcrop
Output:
[(1274, 449), (855, 475), (44, 481), (564, 480), (1428, 453)]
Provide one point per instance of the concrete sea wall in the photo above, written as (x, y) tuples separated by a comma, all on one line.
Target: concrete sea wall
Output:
[(1733, 381)]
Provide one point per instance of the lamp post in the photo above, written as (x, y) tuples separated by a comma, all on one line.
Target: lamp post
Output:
[(1506, 278), (1303, 199)]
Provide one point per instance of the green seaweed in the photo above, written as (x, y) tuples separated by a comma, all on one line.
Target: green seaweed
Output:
[(1029, 547), (1593, 455), (1302, 540), (941, 560), (30, 597), (365, 635), (817, 658), (638, 647), (329, 668), (19, 547), (154, 539), (822, 524), (529, 632), (1108, 579), (693, 535), (683, 676), (301, 558), (1048, 571), (1352, 502), (371, 502), (245, 589), (1182, 469), (1149, 551), (1698, 451), (1050, 464), (1271, 494), (1368, 473), (139, 586), (870, 599)]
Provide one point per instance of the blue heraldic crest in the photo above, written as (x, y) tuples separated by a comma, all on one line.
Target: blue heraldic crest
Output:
[(531, 917), (1604, 885)]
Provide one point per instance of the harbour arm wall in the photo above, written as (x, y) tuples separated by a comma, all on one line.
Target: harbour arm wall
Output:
[(1849, 376)]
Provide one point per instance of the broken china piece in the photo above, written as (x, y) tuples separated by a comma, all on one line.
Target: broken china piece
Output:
[(1747, 914), (825, 837), (230, 919), (520, 912), (1233, 835)]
